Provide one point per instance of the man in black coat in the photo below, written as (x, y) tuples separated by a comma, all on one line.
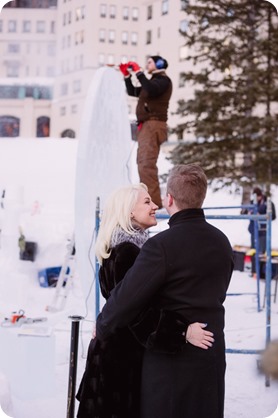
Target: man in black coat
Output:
[(185, 269)]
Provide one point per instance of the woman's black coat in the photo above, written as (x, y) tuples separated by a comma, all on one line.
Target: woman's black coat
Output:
[(110, 387)]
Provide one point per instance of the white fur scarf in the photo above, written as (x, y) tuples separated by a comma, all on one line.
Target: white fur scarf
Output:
[(138, 237)]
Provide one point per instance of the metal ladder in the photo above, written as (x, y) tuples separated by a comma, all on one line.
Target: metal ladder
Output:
[(64, 280)]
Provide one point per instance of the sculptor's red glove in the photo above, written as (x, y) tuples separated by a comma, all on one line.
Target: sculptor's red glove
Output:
[(124, 69), (133, 65)]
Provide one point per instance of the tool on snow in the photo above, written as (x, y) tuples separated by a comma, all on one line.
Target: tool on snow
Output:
[(19, 318)]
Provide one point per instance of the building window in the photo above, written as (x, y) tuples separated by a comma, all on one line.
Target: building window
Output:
[(101, 35), (149, 12), (76, 86), (135, 13), (12, 70), (165, 7), (74, 108), (12, 26), (78, 14), (124, 59), (124, 37), (64, 89), (68, 133), (1, 25), (26, 26), (62, 110), (103, 10), (183, 26), (50, 72), (125, 13), (9, 126), (52, 27), (101, 59), (112, 11), (43, 126), (149, 37), (64, 19), (110, 59), (69, 41), (184, 4), (158, 33), (51, 49), (79, 37), (40, 26), (134, 38), (111, 36), (13, 48), (69, 17)]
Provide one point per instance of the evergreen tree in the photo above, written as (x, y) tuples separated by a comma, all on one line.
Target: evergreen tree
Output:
[(233, 115)]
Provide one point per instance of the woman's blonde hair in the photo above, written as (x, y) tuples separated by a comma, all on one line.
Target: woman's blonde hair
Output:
[(117, 213)]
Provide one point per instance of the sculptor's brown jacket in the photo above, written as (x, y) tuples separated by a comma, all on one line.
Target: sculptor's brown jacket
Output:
[(153, 95)]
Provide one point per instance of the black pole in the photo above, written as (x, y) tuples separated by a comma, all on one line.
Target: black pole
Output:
[(73, 364)]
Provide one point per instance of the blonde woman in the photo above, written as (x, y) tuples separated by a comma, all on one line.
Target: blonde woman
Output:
[(110, 387)]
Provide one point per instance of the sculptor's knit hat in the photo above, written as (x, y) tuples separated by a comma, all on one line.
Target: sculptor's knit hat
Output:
[(160, 62), (258, 191)]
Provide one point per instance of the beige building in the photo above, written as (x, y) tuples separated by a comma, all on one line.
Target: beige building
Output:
[(27, 70), (49, 56)]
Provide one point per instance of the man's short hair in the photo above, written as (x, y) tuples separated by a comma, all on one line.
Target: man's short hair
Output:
[(187, 183)]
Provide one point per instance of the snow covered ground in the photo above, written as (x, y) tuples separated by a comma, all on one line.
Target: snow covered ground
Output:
[(39, 178)]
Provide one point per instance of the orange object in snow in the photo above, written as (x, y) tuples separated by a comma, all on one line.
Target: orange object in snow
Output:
[(16, 316)]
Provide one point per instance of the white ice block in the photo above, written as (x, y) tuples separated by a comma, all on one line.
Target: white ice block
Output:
[(28, 363)]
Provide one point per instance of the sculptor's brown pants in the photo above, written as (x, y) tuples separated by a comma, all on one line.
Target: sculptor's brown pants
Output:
[(151, 135)]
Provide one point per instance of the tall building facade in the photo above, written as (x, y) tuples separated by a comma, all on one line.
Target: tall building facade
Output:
[(31, 4), (49, 56)]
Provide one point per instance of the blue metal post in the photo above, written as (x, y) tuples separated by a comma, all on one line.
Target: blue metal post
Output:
[(97, 296), (257, 255), (268, 276)]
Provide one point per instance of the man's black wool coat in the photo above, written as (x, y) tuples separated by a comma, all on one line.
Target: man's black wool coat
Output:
[(185, 269)]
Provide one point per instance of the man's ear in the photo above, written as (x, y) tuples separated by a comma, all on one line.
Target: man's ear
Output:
[(170, 200)]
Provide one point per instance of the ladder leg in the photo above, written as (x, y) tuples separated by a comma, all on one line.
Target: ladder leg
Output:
[(275, 289), (64, 280)]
